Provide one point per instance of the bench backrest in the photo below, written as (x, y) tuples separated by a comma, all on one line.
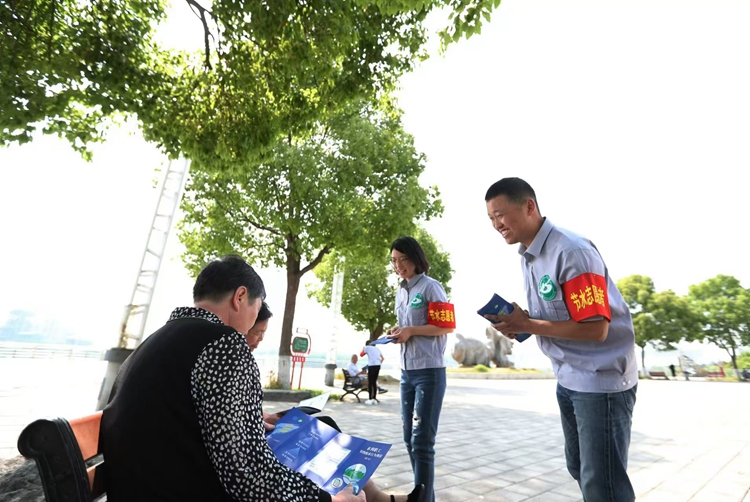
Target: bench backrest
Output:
[(347, 379), (67, 455)]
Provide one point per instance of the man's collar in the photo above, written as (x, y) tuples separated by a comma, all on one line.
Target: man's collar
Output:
[(195, 313), (411, 282), (541, 237)]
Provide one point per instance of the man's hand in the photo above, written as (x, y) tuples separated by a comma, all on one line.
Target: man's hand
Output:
[(512, 324), (269, 420), (401, 335), (347, 495)]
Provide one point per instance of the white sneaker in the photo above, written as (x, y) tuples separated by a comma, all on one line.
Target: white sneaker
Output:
[(369, 401)]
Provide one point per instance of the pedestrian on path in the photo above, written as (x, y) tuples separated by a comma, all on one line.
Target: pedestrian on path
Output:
[(374, 360)]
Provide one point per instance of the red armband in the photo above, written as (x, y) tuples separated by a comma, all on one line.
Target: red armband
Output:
[(586, 296), (441, 314)]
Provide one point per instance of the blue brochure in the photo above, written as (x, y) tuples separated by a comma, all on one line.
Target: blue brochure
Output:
[(333, 460), (382, 340), (498, 306)]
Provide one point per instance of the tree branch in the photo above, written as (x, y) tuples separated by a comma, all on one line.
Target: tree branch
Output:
[(247, 220), (201, 14), (316, 261)]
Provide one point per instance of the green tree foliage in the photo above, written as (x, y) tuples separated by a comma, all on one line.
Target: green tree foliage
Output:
[(350, 186), (724, 307), (369, 283), (660, 319), (743, 360), (267, 69), (73, 65)]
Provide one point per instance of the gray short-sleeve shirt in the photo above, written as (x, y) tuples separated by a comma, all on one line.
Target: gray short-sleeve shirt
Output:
[(556, 257), (412, 301)]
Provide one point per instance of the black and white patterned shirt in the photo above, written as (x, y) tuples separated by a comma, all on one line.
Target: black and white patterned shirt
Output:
[(227, 395)]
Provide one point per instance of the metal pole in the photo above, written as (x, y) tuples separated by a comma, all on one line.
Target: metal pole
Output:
[(337, 292), (136, 312)]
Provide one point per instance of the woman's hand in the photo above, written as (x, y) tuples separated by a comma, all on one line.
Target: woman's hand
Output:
[(401, 335)]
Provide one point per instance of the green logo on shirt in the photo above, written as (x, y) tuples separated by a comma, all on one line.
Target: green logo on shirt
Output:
[(547, 289), (417, 301)]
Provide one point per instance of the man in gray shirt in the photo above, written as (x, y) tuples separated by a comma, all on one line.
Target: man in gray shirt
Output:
[(584, 326)]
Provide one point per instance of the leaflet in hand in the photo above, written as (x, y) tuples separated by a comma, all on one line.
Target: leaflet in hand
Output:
[(310, 406), (382, 340), (333, 460), (498, 306)]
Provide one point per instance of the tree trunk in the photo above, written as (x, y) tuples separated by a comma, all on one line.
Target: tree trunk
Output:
[(643, 361), (733, 355), (285, 351), (377, 332)]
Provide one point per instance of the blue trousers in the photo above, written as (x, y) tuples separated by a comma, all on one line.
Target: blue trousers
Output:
[(422, 394), (596, 427)]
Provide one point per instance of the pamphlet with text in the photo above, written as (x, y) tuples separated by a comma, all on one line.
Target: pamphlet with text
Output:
[(331, 459)]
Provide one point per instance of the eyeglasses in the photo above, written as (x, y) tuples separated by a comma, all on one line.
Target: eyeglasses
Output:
[(399, 261)]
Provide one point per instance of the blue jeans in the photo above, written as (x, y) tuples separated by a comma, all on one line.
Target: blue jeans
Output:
[(422, 394), (597, 437)]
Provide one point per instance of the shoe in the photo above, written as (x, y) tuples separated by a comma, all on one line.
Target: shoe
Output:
[(418, 494), (369, 401), (381, 390)]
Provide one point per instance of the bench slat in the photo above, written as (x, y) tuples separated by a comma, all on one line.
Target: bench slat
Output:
[(86, 430)]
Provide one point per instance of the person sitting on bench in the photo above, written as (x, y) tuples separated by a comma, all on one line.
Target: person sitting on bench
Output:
[(184, 420), (354, 371)]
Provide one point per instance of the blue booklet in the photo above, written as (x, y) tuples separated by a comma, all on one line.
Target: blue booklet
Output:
[(331, 459), (498, 306), (382, 340)]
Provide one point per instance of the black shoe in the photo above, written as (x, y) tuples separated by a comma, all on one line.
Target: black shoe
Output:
[(381, 390), (418, 494)]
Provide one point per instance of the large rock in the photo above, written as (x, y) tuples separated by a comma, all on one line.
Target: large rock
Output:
[(470, 352), (500, 348)]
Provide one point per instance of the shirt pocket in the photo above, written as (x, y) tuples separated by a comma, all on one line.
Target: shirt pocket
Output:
[(556, 310), (417, 317)]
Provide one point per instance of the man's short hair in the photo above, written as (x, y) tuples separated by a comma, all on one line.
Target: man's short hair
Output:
[(411, 248), (264, 313), (515, 189), (222, 277)]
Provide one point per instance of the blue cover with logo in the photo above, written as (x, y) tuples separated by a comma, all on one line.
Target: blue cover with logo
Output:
[(382, 340), (333, 460), (498, 306)]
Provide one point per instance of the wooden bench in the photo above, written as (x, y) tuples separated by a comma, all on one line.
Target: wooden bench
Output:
[(658, 374), (67, 456), (350, 388)]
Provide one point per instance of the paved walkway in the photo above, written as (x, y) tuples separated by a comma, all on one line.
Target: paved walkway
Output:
[(499, 440), (502, 441)]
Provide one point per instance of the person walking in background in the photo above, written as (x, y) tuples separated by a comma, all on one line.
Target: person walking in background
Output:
[(374, 360)]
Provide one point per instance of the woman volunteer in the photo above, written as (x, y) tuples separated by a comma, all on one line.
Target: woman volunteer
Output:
[(424, 321)]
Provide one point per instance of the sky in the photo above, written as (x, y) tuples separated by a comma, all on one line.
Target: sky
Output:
[(629, 118)]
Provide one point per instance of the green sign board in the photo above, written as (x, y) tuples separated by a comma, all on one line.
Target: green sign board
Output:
[(300, 344)]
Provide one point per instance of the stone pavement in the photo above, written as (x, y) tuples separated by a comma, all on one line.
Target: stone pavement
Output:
[(499, 440), (502, 441)]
